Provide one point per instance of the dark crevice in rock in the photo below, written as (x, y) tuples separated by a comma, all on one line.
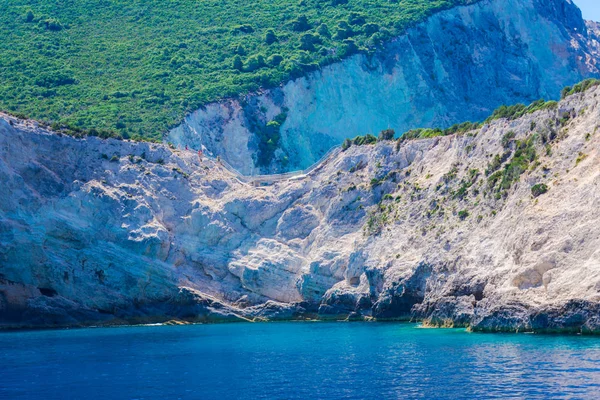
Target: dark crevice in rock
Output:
[(48, 292)]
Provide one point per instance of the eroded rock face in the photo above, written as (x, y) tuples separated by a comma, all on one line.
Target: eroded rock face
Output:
[(459, 65), (446, 230)]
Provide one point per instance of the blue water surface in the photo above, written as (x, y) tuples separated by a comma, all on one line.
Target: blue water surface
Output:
[(295, 361)]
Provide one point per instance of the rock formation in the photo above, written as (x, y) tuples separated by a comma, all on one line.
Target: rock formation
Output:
[(496, 229), (459, 65)]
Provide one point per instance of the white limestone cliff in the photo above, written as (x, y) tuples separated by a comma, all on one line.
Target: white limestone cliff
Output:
[(459, 65), (105, 231)]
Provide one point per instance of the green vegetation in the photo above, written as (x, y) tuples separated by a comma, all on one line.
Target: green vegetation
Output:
[(518, 110), (497, 162), (377, 219), (376, 182), (424, 133), (135, 68), (386, 134), (510, 112), (466, 184), (579, 88), (580, 157), (508, 139), (359, 141), (524, 155), (539, 189), (269, 136)]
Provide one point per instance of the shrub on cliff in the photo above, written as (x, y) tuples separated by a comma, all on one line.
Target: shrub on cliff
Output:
[(579, 88), (364, 140), (524, 155), (346, 144), (387, 134), (539, 189), (518, 110), (508, 138), (269, 136)]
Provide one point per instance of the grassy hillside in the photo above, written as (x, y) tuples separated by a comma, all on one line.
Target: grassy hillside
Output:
[(136, 67)]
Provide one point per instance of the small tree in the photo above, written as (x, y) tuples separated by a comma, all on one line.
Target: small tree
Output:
[(274, 60), (29, 17), (356, 19), (238, 63), (240, 50), (246, 28), (349, 47), (343, 31), (387, 134), (370, 29), (323, 30), (255, 62), (52, 24), (270, 37), (301, 24), (308, 42), (346, 144), (539, 189)]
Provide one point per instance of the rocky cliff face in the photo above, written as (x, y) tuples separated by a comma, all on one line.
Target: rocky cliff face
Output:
[(495, 229), (459, 65)]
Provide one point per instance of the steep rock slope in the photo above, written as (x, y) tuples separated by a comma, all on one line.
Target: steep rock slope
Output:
[(459, 65), (495, 229)]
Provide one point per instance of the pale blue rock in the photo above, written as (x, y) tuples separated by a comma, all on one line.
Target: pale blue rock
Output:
[(459, 65), (103, 231)]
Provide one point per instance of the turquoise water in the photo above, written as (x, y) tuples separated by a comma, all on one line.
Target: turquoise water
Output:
[(295, 361)]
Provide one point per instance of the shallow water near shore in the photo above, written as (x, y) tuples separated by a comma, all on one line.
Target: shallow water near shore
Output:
[(294, 360)]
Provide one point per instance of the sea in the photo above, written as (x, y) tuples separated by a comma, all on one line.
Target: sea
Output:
[(296, 360)]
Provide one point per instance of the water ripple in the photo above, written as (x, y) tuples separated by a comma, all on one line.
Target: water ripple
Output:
[(295, 361)]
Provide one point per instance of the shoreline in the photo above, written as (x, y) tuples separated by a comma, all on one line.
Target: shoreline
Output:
[(419, 324)]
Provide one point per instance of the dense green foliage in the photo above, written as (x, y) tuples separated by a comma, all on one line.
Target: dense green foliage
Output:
[(269, 136), (135, 68), (518, 110), (359, 141), (579, 88), (386, 134)]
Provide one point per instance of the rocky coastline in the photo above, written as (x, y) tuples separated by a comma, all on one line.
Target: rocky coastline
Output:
[(494, 229)]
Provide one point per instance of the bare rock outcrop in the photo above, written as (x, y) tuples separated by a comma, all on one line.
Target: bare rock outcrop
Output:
[(495, 229)]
